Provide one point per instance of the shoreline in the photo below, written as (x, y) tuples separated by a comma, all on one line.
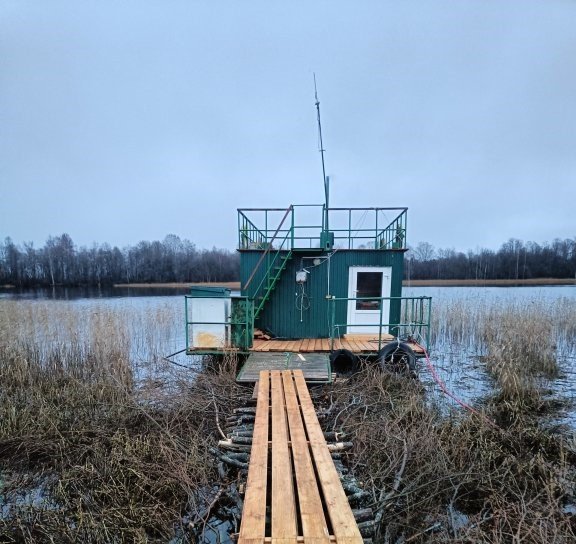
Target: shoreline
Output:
[(235, 285), (489, 283)]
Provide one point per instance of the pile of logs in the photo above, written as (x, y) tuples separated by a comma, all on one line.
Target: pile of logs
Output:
[(233, 454)]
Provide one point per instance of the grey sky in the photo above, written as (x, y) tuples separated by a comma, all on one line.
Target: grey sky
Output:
[(126, 121)]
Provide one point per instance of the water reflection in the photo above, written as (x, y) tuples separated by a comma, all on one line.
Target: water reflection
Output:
[(75, 293)]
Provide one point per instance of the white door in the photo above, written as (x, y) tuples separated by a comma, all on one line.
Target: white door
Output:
[(364, 315)]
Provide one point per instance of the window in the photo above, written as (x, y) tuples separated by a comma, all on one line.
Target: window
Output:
[(368, 284)]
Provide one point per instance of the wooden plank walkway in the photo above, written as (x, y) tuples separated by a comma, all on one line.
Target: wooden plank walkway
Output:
[(291, 474)]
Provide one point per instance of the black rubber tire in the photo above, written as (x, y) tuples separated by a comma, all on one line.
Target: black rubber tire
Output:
[(344, 362), (397, 356)]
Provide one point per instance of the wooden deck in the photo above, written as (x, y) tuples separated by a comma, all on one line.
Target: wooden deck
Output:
[(291, 474), (360, 344), (356, 343)]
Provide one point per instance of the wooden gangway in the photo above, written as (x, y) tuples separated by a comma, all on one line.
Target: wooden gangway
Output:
[(293, 492)]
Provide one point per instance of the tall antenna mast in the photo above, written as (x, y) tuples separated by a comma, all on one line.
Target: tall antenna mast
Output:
[(325, 179)]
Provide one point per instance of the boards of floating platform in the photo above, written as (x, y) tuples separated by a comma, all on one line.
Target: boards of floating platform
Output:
[(360, 344), (293, 492), (315, 367)]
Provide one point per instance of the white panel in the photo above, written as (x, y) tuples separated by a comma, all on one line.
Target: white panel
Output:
[(215, 310)]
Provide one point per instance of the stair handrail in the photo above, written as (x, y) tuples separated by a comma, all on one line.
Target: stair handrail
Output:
[(263, 256)]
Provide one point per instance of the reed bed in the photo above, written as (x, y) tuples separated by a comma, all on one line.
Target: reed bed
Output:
[(90, 450), (434, 479), (101, 440), (523, 344)]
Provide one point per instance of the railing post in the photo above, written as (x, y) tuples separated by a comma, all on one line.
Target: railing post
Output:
[(349, 228), (292, 227), (376, 231), (380, 328), (186, 318), (429, 318), (332, 306)]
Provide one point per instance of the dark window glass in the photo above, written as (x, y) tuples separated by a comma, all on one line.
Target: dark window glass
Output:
[(368, 284)]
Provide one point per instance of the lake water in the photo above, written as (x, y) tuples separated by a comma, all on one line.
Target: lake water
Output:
[(458, 363)]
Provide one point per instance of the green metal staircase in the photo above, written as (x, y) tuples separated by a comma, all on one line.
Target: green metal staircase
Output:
[(271, 279), (275, 265)]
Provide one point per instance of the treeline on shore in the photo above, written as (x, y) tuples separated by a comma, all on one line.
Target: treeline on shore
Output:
[(173, 260), (60, 262), (515, 260)]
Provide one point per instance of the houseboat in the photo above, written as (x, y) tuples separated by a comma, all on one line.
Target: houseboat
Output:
[(320, 290)]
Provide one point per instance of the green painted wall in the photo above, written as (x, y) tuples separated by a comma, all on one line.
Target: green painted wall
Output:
[(283, 318)]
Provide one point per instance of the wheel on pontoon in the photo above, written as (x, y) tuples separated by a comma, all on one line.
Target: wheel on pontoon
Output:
[(343, 362), (398, 357)]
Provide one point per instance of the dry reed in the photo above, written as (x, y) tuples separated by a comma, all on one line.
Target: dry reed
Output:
[(90, 451), (462, 479)]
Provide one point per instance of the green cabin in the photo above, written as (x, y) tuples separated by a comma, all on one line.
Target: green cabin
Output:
[(312, 279)]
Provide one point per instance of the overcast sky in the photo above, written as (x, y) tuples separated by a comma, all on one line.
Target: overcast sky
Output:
[(126, 121)]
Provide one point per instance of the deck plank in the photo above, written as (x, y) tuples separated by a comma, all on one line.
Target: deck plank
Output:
[(341, 516), (283, 511), (310, 502), (254, 511)]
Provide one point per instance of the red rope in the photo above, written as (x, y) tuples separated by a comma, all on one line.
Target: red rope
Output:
[(445, 390)]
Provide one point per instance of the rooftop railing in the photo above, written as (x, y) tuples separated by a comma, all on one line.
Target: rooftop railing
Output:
[(351, 228)]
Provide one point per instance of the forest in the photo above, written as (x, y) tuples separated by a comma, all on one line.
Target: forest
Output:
[(61, 262), (515, 260)]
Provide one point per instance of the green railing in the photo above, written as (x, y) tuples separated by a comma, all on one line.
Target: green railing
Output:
[(249, 235), (413, 321), (238, 326), (274, 264), (352, 228), (393, 236)]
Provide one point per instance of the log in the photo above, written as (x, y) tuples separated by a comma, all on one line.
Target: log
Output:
[(233, 462), (243, 433), (350, 487), (334, 435), (245, 410), (241, 439), (363, 514), (367, 528), (340, 446), (229, 445), (356, 497)]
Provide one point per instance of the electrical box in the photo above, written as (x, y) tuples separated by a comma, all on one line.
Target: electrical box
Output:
[(301, 276), (326, 240)]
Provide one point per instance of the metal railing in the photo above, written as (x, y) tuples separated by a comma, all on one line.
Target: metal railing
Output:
[(393, 236), (352, 228), (413, 316)]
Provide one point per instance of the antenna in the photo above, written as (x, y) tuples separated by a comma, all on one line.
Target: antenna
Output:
[(325, 179)]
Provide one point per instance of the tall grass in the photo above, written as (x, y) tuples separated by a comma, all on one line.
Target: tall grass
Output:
[(432, 479), (522, 343), (90, 451)]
